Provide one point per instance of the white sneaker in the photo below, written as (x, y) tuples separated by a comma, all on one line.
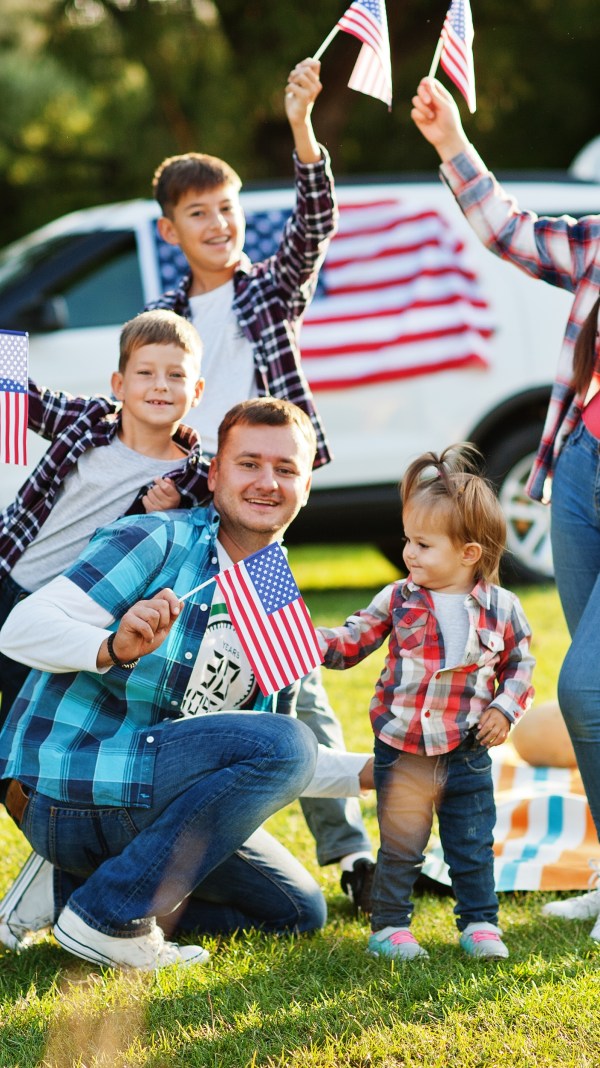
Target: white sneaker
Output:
[(147, 952), (583, 907), (28, 904)]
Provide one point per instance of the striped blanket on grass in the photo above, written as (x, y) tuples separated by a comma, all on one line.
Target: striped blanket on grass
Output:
[(544, 837)]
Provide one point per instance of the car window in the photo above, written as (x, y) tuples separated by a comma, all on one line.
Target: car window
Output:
[(110, 293), (70, 282)]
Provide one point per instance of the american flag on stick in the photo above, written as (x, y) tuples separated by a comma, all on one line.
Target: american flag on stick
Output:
[(14, 396), (372, 74), (455, 50), (271, 619)]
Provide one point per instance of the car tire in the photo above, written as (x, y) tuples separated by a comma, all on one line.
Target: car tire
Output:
[(508, 464)]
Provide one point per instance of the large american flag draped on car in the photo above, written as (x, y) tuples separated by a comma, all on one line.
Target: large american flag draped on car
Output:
[(14, 396), (397, 295)]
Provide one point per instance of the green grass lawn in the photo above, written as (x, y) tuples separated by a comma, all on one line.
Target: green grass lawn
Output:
[(320, 1001)]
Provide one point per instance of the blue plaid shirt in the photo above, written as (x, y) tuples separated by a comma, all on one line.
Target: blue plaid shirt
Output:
[(85, 737), (272, 296)]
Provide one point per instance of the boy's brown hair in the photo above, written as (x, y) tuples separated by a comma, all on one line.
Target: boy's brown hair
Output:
[(268, 411), (195, 170), (467, 506), (160, 327)]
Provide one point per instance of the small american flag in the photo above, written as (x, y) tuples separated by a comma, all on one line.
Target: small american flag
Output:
[(457, 49), (271, 619), (14, 396), (372, 74)]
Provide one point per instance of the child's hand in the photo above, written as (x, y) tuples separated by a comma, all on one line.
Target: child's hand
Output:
[(301, 91), (494, 727), (162, 496), (436, 115)]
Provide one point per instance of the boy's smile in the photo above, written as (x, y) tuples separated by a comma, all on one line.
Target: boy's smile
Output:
[(209, 227), (158, 386)]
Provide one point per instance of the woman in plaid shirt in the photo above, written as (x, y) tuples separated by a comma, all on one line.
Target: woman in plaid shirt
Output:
[(456, 676), (566, 253)]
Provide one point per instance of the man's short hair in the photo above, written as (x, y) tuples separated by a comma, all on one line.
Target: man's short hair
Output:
[(268, 411), (160, 327), (195, 170)]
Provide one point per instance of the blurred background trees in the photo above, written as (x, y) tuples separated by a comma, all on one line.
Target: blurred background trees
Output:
[(96, 92)]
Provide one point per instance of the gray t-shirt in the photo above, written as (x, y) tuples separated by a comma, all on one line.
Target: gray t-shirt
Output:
[(98, 490)]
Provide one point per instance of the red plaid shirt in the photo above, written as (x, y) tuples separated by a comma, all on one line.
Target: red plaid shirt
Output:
[(562, 251), (272, 296), (420, 704)]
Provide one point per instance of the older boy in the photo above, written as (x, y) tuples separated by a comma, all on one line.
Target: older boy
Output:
[(106, 458), (249, 316)]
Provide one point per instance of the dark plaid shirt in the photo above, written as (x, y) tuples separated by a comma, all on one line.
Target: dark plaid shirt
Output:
[(73, 425), (272, 296)]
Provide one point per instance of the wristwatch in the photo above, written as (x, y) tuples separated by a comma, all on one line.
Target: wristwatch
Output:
[(129, 665)]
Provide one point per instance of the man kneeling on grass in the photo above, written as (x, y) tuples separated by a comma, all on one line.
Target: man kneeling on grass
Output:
[(146, 808)]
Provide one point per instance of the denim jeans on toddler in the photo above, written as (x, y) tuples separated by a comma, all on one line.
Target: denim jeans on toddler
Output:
[(458, 786)]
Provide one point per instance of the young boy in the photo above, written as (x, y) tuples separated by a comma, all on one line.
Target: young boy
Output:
[(107, 458), (249, 317)]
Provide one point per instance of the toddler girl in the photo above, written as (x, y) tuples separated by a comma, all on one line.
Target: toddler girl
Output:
[(456, 676)]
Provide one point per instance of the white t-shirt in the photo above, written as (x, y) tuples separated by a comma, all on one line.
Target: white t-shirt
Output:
[(227, 363)]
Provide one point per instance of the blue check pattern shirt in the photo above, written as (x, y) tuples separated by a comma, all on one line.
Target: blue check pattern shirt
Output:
[(87, 738)]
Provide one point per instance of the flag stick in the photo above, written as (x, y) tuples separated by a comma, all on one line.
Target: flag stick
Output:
[(436, 58), (326, 43), (196, 588)]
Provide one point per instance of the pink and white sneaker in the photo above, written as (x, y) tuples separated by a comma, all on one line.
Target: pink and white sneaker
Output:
[(483, 940), (396, 943)]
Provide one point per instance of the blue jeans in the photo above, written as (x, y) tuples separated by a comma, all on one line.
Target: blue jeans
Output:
[(335, 822), (458, 785), (576, 552), (216, 779), (12, 674)]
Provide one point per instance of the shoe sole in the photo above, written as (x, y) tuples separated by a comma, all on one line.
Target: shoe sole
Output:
[(94, 956), (387, 956), (24, 879)]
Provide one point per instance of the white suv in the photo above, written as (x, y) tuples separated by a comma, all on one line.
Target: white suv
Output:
[(417, 338)]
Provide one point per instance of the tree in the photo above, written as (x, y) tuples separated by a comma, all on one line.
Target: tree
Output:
[(97, 92)]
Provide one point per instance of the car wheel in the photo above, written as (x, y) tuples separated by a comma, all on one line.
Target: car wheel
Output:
[(529, 556)]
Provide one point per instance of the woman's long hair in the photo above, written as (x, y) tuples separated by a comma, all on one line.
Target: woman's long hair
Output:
[(584, 355)]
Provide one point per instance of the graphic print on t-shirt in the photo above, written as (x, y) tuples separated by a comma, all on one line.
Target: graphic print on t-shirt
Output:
[(221, 678)]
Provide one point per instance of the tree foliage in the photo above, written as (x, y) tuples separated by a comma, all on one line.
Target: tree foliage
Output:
[(97, 92)]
